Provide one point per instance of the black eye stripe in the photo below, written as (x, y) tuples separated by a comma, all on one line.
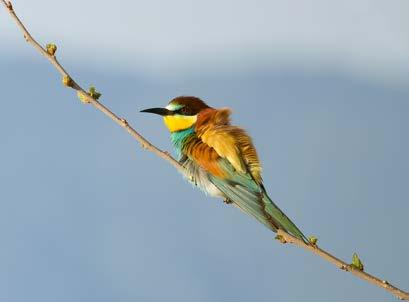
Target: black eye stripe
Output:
[(184, 111)]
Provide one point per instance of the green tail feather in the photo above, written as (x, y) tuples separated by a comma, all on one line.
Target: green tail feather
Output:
[(253, 200), (278, 216)]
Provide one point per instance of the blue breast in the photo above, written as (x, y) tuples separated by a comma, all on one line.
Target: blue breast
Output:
[(179, 139)]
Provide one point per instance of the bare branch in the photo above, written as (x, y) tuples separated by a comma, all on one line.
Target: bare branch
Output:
[(90, 98), (68, 81), (287, 238)]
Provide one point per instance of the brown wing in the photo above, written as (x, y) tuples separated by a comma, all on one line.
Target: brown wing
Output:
[(230, 142)]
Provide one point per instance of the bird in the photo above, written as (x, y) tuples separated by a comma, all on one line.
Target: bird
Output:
[(221, 160)]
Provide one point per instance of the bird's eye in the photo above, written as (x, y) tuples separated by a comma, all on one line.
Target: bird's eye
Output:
[(185, 111)]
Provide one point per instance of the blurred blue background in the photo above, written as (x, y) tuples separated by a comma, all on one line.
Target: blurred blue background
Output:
[(87, 215)]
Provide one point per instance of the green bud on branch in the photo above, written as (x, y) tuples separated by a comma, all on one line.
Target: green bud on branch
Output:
[(94, 93), (356, 262), (67, 81), (83, 97), (51, 48), (313, 240)]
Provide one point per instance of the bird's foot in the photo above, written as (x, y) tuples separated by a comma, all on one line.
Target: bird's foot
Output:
[(227, 201)]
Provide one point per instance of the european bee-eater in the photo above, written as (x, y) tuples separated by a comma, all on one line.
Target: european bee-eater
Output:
[(221, 159)]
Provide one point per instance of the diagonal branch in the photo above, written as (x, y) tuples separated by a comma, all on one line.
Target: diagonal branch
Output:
[(287, 238), (85, 96), (90, 98)]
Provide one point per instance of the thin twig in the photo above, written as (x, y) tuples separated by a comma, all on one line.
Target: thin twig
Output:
[(89, 99), (285, 237)]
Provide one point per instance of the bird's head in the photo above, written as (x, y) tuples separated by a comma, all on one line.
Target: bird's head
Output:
[(181, 112)]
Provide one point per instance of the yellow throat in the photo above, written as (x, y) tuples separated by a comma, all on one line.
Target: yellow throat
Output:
[(179, 122)]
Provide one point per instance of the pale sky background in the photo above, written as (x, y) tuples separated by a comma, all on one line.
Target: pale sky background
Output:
[(87, 215), (367, 37)]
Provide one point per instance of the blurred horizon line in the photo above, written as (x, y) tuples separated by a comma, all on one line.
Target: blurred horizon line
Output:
[(392, 78)]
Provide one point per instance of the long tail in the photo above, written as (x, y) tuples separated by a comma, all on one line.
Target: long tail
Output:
[(282, 221), (253, 200)]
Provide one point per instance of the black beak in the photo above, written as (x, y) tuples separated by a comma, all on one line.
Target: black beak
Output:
[(160, 111)]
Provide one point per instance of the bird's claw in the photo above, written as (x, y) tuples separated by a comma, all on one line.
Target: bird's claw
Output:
[(227, 201)]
